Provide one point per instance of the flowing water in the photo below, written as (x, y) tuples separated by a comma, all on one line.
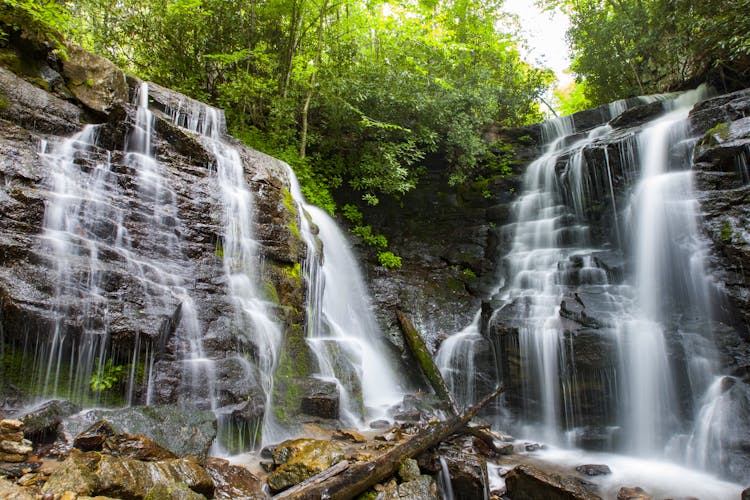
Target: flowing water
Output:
[(88, 217), (239, 251), (614, 340), (342, 331)]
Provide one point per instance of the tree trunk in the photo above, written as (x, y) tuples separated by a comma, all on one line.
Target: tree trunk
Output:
[(426, 363), (356, 478)]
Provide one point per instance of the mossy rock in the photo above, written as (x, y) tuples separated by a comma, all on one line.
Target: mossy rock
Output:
[(300, 459)]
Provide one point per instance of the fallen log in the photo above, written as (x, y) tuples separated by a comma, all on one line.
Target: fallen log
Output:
[(426, 363), (356, 478)]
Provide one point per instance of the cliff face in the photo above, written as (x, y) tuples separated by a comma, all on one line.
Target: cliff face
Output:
[(142, 256), (441, 232)]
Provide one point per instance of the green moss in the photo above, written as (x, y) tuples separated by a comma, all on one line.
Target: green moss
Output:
[(469, 274), (271, 293), (293, 366), (727, 233), (716, 134), (291, 206), (293, 271)]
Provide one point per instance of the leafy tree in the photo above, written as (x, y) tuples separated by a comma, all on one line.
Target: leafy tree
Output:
[(628, 47)]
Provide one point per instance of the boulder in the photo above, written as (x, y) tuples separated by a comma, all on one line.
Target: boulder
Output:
[(408, 470), (419, 488), (181, 430), (233, 482), (467, 475), (28, 106), (594, 469), (299, 459), (526, 482), (97, 474), (172, 491), (638, 115), (320, 398), (42, 424), (94, 80), (632, 493), (13, 492)]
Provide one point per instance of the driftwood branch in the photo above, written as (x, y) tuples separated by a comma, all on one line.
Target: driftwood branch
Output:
[(426, 363), (356, 478)]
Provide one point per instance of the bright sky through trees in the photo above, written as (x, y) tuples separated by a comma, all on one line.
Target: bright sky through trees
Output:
[(544, 32)]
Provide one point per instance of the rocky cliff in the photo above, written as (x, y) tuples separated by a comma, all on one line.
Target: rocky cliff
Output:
[(111, 324)]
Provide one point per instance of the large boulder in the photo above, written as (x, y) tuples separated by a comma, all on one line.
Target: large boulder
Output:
[(182, 430), (94, 80), (42, 423), (526, 482), (96, 474)]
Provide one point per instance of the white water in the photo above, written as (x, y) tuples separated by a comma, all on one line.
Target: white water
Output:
[(661, 310), (660, 479), (342, 330), (87, 217), (253, 315)]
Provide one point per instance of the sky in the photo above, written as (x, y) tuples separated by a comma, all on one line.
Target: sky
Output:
[(545, 34)]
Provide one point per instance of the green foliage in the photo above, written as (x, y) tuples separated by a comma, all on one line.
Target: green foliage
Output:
[(389, 260), (106, 377), (352, 214), (41, 22), (572, 99), (349, 93), (630, 47), (377, 241)]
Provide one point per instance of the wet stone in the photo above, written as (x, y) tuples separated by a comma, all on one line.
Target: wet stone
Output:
[(594, 469)]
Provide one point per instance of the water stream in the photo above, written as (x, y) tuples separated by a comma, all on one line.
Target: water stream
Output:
[(342, 331), (614, 345)]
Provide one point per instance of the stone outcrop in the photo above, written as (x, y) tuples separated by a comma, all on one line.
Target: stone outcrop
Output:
[(147, 331)]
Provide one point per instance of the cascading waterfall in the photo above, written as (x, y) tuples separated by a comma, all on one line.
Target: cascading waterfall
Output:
[(639, 350), (253, 316), (87, 218), (341, 329)]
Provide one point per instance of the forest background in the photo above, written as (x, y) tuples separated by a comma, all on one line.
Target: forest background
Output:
[(363, 94)]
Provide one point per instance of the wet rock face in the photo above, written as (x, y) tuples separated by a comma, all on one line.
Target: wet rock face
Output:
[(143, 265)]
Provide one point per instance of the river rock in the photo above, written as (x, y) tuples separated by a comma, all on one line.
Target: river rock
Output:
[(299, 459), (42, 424), (13, 492), (468, 475), (320, 398), (745, 494), (525, 482), (233, 482), (408, 470), (594, 469), (632, 493), (183, 431), (419, 488), (94, 474)]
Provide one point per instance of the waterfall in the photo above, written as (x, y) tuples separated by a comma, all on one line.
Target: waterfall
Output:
[(87, 218), (614, 347), (239, 252), (342, 331)]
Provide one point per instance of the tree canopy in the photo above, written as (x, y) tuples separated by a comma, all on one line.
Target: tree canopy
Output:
[(622, 48), (350, 92)]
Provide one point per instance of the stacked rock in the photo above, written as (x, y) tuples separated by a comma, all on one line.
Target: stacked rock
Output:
[(13, 447)]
